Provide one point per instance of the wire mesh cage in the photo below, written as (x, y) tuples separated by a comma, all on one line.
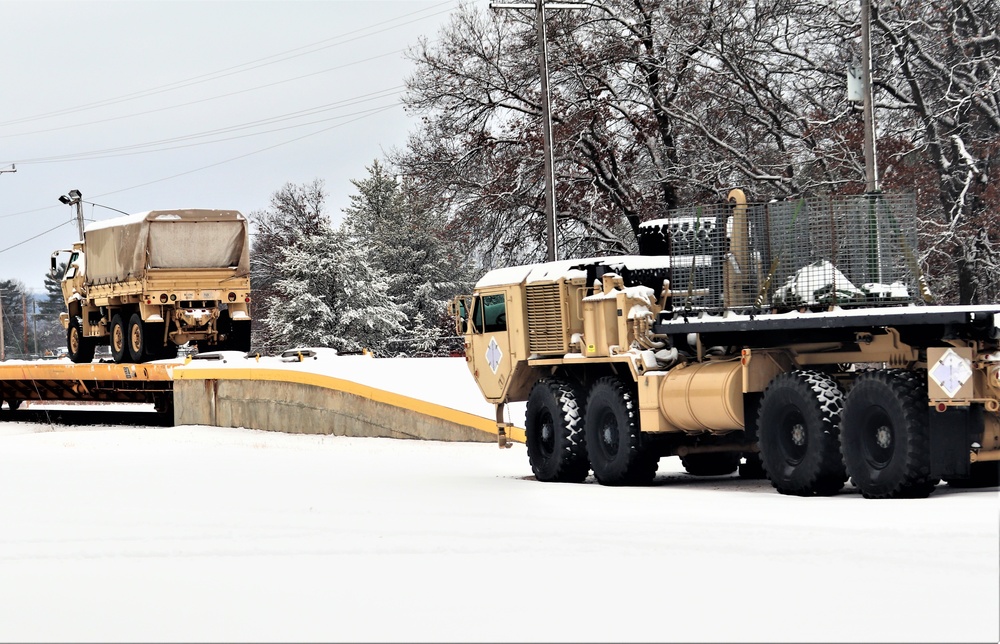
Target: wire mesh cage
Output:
[(807, 253)]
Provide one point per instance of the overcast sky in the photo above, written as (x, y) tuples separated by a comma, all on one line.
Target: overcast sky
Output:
[(172, 104)]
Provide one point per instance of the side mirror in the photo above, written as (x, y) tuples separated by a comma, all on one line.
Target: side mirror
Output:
[(457, 309), (52, 266)]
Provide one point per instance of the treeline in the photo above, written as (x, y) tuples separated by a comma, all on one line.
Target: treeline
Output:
[(655, 104), (31, 321)]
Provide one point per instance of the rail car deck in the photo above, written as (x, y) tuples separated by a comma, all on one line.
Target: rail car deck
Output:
[(96, 381)]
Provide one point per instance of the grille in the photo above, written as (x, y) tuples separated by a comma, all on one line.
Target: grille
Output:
[(546, 324)]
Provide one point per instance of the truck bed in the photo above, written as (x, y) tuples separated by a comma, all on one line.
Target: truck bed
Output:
[(916, 324)]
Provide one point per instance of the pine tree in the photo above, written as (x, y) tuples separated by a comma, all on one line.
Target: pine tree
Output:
[(329, 295), (13, 297), (295, 214), (52, 304), (409, 242)]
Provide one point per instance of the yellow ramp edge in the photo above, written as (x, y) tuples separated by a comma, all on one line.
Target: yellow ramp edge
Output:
[(346, 386), (168, 371)]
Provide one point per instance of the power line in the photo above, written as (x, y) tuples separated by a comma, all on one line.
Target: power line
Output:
[(221, 74), (243, 67), (4, 250), (243, 156), (372, 112), (201, 100), (128, 150), (363, 114)]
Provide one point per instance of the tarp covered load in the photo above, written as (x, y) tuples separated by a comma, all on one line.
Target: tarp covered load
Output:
[(124, 248)]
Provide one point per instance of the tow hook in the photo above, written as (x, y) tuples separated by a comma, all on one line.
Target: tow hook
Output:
[(502, 441)]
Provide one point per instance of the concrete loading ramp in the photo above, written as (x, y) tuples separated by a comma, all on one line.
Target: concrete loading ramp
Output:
[(305, 396)]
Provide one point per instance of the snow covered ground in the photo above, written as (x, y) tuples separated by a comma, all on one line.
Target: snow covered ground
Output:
[(198, 533)]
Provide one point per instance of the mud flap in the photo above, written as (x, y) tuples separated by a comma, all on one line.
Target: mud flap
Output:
[(951, 434)]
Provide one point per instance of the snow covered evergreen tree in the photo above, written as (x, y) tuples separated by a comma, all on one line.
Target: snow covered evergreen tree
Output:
[(408, 241), (294, 215), (328, 294)]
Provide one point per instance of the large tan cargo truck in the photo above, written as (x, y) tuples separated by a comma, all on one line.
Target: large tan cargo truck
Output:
[(146, 283), (792, 340)]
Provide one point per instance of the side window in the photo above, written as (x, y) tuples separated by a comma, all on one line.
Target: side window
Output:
[(495, 312), (477, 315), (489, 314), (71, 266)]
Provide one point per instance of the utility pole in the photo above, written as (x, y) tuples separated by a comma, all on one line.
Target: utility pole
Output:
[(34, 322), (24, 322), (75, 198), (3, 345), (539, 7), (871, 167)]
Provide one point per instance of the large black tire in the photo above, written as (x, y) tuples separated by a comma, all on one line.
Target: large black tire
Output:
[(983, 474), (79, 348), (798, 434), (885, 435), (119, 339), (711, 463), (554, 433), (614, 443)]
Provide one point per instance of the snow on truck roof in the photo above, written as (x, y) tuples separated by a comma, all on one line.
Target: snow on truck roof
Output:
[(568, 268), (190, 214)]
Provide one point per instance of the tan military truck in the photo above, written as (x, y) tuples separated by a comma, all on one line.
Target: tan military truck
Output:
[(147, 283), (792, 340)]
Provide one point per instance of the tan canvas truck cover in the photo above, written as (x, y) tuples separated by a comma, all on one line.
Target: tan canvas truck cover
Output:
[(121, 249)]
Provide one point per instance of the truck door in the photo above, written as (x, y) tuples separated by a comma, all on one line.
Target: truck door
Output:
[(74, 277), (491, 344)]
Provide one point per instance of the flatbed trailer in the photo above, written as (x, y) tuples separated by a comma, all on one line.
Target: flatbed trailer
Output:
[(51, 381)]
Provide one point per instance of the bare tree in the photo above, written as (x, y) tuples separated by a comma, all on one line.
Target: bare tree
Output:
[(654, 104), (658, 103), (943, 83)]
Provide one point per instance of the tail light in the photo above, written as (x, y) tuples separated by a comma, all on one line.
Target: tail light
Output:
[(163, 298), (232, 297)]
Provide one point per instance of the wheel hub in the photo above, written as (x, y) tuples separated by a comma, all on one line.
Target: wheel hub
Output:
[(798, 435), (883, 437), (609, 435)]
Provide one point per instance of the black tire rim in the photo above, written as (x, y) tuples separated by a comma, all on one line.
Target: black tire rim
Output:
[(609, 433), (794, 437), (877, 438)]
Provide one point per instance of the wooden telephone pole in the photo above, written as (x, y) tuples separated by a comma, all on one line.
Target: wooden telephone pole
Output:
[(3, 345)]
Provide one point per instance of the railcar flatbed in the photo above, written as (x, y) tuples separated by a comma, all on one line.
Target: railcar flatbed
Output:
[(62, 380)]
